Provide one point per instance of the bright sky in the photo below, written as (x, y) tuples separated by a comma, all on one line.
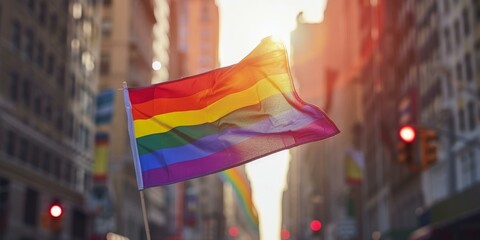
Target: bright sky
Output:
[(243, 24)]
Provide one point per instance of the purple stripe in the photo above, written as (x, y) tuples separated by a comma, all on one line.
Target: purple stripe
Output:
[(241, 153)]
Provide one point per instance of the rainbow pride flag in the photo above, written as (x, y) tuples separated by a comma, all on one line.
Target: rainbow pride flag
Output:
[(243, 193), (220, 119)]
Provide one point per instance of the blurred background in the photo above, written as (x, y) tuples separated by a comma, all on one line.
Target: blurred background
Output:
[(400, 78)]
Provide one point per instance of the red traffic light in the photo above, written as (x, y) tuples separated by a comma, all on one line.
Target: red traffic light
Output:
[(315, 225), (56, 210), (233, 231), (407, 134), (285, 234)]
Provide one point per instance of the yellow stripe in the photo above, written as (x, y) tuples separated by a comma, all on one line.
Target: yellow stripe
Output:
[(264, 88), (100, 165)]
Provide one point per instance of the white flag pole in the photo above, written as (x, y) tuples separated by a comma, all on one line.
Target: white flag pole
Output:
[(133, 144)]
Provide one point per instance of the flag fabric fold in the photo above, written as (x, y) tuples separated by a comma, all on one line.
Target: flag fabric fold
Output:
[(220, 119)]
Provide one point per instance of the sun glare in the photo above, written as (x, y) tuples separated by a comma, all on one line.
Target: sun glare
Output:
[(281, 36), (279, 30)]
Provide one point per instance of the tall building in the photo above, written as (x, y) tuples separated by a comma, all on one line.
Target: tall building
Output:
[(194, 44), (416, 66), (161, 43), (449, 103), (194, 37), (48, 53), (324, 60), (431, 46), (390, 85), (127, 55)]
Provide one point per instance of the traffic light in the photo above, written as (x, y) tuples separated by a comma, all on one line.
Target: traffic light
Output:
[(405, 147), (56, 211), (285, 234), (315, 226), (52, 219), (233, 232), (428, 146)]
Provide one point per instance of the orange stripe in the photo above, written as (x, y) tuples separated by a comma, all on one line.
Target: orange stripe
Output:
[(240, 80)]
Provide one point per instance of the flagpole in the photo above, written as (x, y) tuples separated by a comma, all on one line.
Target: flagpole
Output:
[(136, 161), (144, 211)]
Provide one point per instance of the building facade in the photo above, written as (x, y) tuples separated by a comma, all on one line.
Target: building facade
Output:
[(48, 51), (127, 55), (324, 61), (450, 107), (426, 56)]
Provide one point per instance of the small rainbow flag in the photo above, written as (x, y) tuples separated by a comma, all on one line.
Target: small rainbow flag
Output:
[(219, 119), (243, 193), (100, 164), (354, 167)]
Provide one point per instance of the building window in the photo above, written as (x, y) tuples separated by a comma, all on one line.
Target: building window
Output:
[(446, 5), (459, 72), (59, 121), (61, 77), (466, 21), (28, 51), (50, 64), (48, 108), (23, 149), (107, 3), (106, 27), (77, 11), (57, 167), (62, 37), (66, 4), (467, 168), (40, 54), (468, 67), (4, 186), (37, 103), (477, 57), (448, 43), (35, 156), (87, 61), (205, 33), (11, 141), (461, 119), (16, 34), (105, 64), (13, 87), (68, 125), (30, 207), (53, 23), (477, 10), (42, 13), (456, 27), (26, 93), (204, 14), (31, 5), (79, 225), (471, 115), (73, 86), (46, 162)]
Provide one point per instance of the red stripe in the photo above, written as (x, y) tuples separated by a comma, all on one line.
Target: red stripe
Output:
[(177, 88)]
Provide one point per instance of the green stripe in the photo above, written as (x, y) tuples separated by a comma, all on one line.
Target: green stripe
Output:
[(242, 117)]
